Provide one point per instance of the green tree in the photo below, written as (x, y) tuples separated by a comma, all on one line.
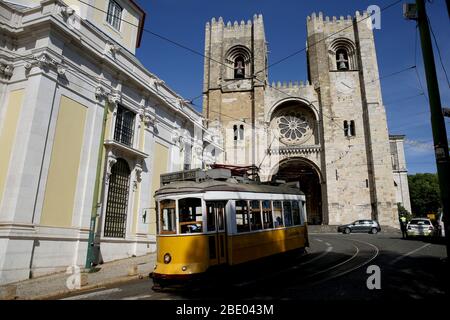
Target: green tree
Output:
[(424, 193), (403, 212)]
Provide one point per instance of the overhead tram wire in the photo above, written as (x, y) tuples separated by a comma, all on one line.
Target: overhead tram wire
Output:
[(439, 52)]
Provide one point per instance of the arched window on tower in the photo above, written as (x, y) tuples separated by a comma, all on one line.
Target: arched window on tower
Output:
[(239, 68), (342, 59)]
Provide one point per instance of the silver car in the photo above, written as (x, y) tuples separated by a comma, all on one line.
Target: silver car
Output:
[(419, 227), (364, 226)]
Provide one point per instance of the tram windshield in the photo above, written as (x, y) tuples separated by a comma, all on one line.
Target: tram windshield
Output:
[(191, 219)]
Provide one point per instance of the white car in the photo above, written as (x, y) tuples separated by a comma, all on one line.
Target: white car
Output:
[(419, 227)]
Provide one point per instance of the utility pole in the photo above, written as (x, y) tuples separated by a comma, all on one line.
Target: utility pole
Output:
[(437, 117), (91, 254)]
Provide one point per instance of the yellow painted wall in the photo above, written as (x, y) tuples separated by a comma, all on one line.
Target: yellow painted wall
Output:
[(64, 163), (128, 31), (8, 134), (161, 159)]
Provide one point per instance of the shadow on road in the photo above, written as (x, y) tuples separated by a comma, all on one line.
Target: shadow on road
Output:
[(290, 277)]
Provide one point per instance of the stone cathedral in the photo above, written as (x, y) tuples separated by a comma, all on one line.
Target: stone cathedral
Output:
[(328, 132)]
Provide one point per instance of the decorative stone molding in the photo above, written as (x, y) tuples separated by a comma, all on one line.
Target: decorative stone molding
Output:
[(6, 69), (66, 12), (112, 48), (147, 117), (43, 60), (61, 69), (114, 97), (293, 151), (100, 93), (111, 161)]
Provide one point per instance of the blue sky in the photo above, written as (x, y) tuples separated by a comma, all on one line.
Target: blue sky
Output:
[(285, 27)]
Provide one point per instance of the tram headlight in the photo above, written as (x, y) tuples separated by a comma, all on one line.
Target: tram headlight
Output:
[(184, 268), (167, 258)]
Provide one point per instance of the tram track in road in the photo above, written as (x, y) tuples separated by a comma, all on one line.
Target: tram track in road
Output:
[(348, 255)]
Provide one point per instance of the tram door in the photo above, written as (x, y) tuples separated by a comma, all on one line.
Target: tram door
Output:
[(218, 239)]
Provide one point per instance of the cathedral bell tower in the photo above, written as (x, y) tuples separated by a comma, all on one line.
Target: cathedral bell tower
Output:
[(342, 65), (235, 77)]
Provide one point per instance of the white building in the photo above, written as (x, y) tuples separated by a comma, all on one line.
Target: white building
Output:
[(400, 171), (62, 70)]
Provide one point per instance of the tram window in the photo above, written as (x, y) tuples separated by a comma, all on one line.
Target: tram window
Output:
[(167, 217), (255, 215), (278, 214), (296, 213), (242, 219), (210, 218), (191, 220), (267, 214), (287, 210)]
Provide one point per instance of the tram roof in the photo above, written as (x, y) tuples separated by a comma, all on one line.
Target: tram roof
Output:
[(217, 185)]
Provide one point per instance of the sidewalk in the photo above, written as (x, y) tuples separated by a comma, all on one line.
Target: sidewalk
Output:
[(55, 284)]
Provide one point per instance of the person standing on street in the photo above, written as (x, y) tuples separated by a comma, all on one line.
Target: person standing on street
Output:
[(403, 226)]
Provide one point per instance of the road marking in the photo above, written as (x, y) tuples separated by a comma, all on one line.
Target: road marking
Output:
[(320, 240), (144, 296), (328, 244), (409, 253), (93, 294)]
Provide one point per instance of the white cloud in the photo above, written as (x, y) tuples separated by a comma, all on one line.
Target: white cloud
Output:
[(419, 146)]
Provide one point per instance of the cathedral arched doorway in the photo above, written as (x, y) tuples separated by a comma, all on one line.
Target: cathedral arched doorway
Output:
[(308, 175)]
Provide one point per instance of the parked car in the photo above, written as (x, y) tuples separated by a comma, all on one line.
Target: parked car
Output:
[(363, 226), (420, 227)]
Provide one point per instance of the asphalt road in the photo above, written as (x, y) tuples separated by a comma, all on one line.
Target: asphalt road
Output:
[(335, 267)]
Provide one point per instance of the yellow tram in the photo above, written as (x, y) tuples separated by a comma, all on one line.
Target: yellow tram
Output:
[(221, 219)]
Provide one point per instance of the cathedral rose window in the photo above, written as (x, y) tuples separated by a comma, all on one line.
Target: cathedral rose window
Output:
[(293, 127)]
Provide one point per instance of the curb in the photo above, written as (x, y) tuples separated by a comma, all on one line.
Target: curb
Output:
[(54, 295)]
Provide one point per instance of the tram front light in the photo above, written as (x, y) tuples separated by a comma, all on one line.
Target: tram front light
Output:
[(184, 268), (167, 258)]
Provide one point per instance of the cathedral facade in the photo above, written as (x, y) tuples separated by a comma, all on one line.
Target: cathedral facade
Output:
[(328, 132)]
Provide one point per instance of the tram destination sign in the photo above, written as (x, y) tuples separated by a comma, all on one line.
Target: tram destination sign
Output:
[(186, 175)]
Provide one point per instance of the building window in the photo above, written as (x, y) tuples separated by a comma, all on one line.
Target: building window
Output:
[(342, 59), (239, 68), (114, 15), (238, 132), (352, 128), (117, 204), (124, 129), (342, 55), (349, 128)]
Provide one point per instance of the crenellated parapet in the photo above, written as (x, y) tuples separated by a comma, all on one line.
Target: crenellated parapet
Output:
[(317, 21)]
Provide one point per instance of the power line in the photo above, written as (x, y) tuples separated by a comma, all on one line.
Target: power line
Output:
[(439, 52)]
